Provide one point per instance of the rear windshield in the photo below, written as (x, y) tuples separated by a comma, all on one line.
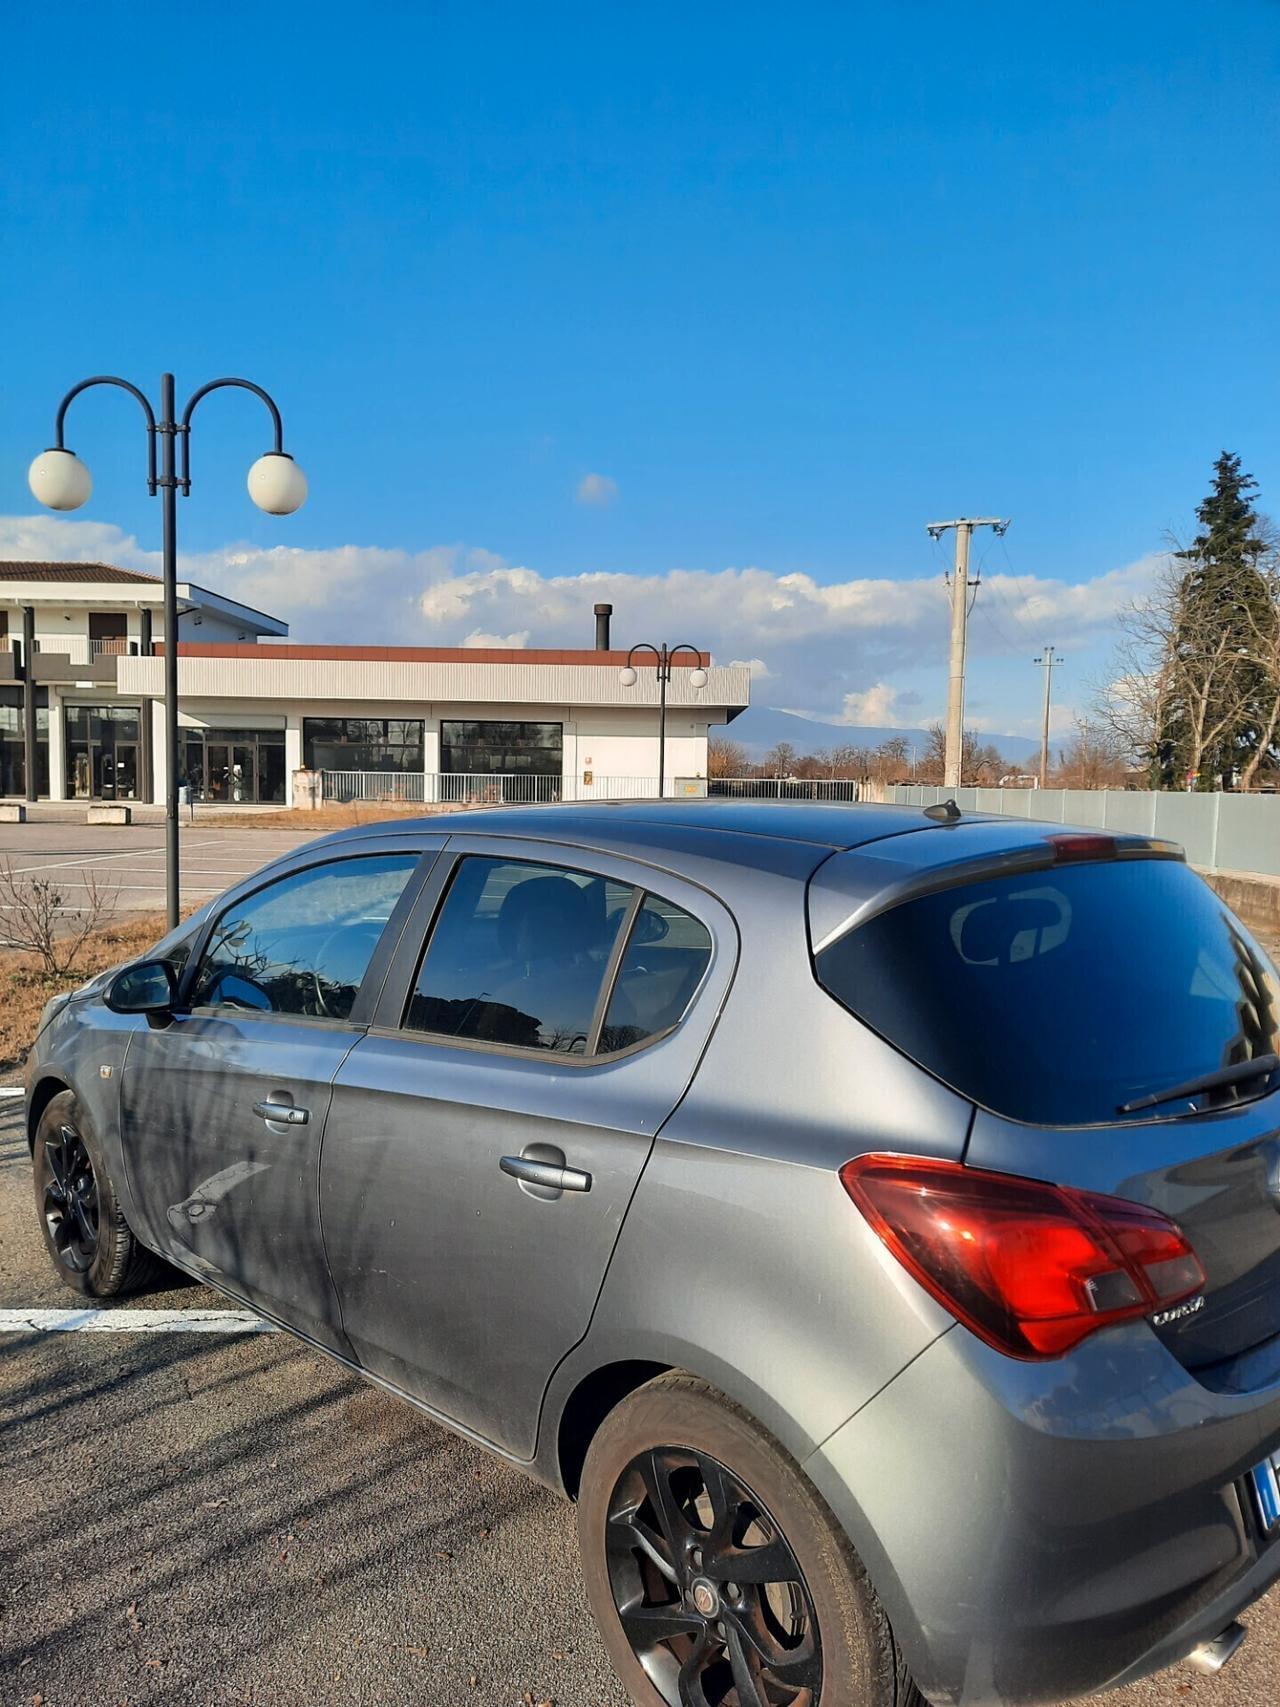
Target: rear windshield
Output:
[(1055, 997)]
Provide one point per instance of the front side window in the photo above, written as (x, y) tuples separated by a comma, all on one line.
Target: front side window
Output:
[(521, 952), (302, 945)]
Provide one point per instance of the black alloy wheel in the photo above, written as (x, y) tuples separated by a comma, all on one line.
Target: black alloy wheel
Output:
[(70, 1199), (708, 1591), (90, 1242)]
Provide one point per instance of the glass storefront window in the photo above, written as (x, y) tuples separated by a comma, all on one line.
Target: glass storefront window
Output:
[(235, 765), (363, 743), (102, 752), (13, 767), (499, 748)]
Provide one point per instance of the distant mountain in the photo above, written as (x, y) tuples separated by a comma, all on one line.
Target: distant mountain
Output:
[(759, 728)]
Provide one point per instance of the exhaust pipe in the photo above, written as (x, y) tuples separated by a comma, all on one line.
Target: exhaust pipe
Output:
[(1211, 1656), (603, 613)]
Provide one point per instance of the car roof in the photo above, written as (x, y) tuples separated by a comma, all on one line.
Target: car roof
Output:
[(790, 837)]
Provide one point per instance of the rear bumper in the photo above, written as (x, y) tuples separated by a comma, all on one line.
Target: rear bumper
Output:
[(1039, 1531)]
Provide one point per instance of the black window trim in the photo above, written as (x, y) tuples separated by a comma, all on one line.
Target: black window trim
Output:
[(387, 1025), (427, 852)]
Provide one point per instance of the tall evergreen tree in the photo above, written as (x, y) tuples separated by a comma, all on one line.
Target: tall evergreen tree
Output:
[(1216, 713)]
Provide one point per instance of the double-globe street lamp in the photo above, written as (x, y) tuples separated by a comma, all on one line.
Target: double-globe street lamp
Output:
[(61, 481), (663, 656)]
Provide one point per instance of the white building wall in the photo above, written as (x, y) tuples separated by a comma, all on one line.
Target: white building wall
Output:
[(614, 745), (57, 747), (611, 743)]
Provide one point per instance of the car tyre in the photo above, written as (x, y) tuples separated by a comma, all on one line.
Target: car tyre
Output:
[(684, 1501), (92, 1246)]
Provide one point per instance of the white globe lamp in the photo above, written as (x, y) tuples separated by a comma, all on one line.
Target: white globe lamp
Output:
[(698, 678), (627, 676), (277, 485), (59, 480)]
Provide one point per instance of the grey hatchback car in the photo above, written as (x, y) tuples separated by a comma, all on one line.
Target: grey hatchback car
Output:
[(870, 1216)]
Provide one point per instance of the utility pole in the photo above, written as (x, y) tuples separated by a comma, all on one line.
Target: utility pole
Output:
[(1046, 661), (964, 526)]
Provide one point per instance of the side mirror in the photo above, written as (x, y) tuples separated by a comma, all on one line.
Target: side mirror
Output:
[(148, 987)]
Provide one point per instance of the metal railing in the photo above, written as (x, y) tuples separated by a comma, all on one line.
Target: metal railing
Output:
[(451, 788), (446, 788), (783, 788), (344, 786), (440, 788), (114, 646), (611, 787), (460, 789)]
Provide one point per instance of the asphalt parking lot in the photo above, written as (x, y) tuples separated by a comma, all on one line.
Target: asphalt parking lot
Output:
[(190, 1518), (127, 862)]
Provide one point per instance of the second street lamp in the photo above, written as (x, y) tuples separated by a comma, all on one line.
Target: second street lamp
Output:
[(59, 480), (663, 656)]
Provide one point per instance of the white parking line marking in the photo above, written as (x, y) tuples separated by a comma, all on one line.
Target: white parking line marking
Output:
[(133, 1322)]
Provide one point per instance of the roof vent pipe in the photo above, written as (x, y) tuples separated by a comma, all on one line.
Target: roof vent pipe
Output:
[(603, 613)]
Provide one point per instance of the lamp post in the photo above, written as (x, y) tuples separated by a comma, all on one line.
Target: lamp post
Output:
[(59, 480), (663, 655)]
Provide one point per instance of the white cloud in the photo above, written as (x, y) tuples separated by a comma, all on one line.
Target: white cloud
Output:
[(499, 642), (850, 650), (760, 671), (877, 704), (596, 489)]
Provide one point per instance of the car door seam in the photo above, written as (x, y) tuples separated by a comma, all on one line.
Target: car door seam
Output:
[(324, 1132)]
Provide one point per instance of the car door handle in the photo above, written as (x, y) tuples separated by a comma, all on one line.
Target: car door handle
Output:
[(545, 1174), (284, 1112)]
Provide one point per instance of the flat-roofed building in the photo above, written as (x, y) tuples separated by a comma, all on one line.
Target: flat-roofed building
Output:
[(82, 686)]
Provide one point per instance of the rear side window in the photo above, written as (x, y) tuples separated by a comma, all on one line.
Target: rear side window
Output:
[(666, 955), (519, 955), (526, 956), (301, 946), (1055, 997)]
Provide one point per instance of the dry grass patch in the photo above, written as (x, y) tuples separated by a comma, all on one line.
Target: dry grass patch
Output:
[(25, 987), (320, 818)]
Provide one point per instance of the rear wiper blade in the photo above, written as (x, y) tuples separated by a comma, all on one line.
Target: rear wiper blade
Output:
[(1260, 1067)]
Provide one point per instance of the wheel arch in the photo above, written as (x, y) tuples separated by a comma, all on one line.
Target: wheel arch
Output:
[(588, 1404), (46, 1087)]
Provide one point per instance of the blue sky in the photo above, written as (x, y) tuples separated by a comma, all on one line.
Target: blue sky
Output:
[(789, 281)]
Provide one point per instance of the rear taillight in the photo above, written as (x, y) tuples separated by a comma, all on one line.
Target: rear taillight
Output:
[(1071, 848), (1032, 1268)]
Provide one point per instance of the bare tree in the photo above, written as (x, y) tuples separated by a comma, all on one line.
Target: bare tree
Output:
[(1094, 757), (725, 757), (780, 760), (980, 761), (36, 918), (1174, 669)]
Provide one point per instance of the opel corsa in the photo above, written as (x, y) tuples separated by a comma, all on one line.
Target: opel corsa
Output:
[(870, 1217)]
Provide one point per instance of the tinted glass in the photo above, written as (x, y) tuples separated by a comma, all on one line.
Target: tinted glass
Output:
[(518, 955), (665, 957), (302, 945), (501, 748), (1056, 997), (363, 743)]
